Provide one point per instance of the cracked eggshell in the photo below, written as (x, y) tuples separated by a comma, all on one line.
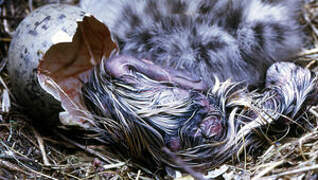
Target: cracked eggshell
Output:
[(44, 27)]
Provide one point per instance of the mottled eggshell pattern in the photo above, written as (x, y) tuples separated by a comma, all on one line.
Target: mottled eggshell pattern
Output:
[(40, 30)]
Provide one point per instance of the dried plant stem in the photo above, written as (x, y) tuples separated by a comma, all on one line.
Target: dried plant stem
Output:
[(138, 175), (268, 169), (42, 148), (6, 24), (31, 5), (13, 167), (85, 148), (295, 171), (315, 113), (309, 52)]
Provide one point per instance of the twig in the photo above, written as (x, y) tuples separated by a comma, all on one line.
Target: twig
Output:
[(6, 25), (309, 21), (312, 111), (13, 167), (23, 165), (308, 52), (85, 148), (295, 171), (268, 169), (138, 175), (42, 148), (72, 176), (310, 64), (111, 166), (300, 141), (31, 5), (5, 39)]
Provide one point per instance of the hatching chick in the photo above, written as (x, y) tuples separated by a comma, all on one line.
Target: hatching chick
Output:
[(141, 107), (228, 39)]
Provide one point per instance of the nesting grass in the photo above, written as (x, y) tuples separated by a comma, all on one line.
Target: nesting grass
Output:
[(28, 153)]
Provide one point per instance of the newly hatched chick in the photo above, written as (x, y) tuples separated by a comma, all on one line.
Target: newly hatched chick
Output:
[(138, 112), (229, 39)]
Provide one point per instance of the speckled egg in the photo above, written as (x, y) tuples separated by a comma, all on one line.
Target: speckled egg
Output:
[(40, 30)]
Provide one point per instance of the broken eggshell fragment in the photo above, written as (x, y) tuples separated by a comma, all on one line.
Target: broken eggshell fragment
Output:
[(41, 30), (66, 66)]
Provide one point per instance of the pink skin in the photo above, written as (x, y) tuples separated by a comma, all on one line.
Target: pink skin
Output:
[(121, 65), (211, 126)]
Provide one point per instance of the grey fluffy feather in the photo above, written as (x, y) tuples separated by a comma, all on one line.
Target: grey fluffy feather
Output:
[(224, 38)]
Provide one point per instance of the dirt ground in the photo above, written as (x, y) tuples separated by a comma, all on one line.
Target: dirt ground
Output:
[(26, 152)]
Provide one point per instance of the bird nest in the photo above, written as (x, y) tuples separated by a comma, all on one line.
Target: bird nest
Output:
[(29, 151)]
